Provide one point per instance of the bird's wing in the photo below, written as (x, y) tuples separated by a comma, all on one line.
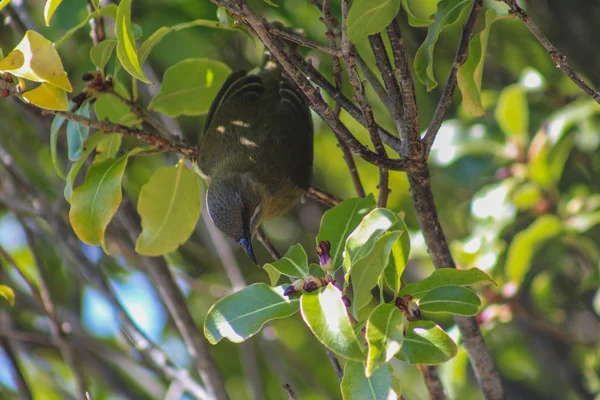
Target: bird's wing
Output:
[(291, 98)]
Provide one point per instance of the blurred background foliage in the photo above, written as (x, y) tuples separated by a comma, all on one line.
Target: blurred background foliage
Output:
[(517, 190)]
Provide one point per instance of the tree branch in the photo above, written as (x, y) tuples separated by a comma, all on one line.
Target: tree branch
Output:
[(433, 382), (461, 56), (290, 37), (18, 376), (322, 197), (559, 58)]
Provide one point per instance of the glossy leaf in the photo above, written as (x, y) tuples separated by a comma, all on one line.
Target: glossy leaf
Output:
[(340, 221), (90, 145), (384, 334), (194, 94), (419, 12), (100, 53), (512, 111), (95, 202), (8, 294), (445, 277), (49, 9), (241, 315), (77, 134), (426, 343), (48, 96), (169, 205), (450, 299), (367, 17), (527, 242), (57, 123), (293, 264), (36, 59), (379, 386), (325, 314), (126, 47), (448, 13), (160, 33)]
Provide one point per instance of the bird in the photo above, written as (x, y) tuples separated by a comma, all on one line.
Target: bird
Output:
[(256, 153)]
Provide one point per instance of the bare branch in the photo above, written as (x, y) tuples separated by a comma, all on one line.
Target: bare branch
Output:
[(433, 382), (18, 376), (290, 392), (322, 197), (290, 37), (96, 24), (559, 59), (260, 235), (461, 56)]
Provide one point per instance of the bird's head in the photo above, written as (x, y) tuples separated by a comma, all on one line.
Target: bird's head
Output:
[(235, 206)]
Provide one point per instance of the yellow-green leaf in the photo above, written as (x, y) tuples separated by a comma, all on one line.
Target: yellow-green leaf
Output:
[(194, 94), (512, 111), (49, 9), (126, 50), (384, 334), (169, 205), (41, 62), (108, 147), (419, 12), (379, 386), (88, 148), (49, 97), (367, 17), (3, 3), (8, 294), (100, 53)]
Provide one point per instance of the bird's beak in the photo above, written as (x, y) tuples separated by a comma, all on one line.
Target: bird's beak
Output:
[(246, 244)]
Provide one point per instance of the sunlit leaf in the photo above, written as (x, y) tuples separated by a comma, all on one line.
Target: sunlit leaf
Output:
[(4, 3), (126, 48), (367, 17), (8, 294), (100, 53), (339, 222), (420, 11), (527, 242), (398, 260), (448, 13), (325, 314), (293, 264), (379, 386), (426, 343), (38, 62), (445, 277), (48, 96), (108, 107), (169, 205), (194, 94), (77, 134), (512, 111), (241, 315), (49, 9), (450, 299), (384, 334)]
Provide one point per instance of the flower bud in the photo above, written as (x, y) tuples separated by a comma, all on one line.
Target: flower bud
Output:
[(324, 258), (295, 287), (408, 307)]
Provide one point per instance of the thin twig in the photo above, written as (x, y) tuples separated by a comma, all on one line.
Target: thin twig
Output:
[(96, 24), (461, 56), (260, 235), (304, 42), (322, 197), (18, 376), (410, 134), (559, 58), (290, 392), (361, 99)]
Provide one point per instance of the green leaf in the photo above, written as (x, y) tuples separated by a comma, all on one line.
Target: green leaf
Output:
[(450, 299), (95, 202), (273, 274), (470, 74), (293, 264), (194, 94), (57, 123), (77, 134), (8, 294), (367, 17), (445, 277), (241, 315), (338, 222), (108, 147), (126, 50), (426, 343), (325, 314), (419, 11), (90, 145), (384, 334), (48, 96), (512, 111), (448, 13), (108, 107), (49, 9), (100, 53), (527, 242), (398, 260), (169, 205), (379, 386), (583, 222), (160, 33)]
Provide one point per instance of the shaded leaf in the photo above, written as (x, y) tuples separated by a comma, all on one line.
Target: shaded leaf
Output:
[(108, 11), (49, 9), (338, 222), (379, 386), (445, 277), (57, 123), (169, 205), (241, 315), (77, 134), (398, 260), (293, 264), (108, 147), (48, 96), (88, 148), (448, 13), (426, 343), (384, 334), (194, 94), (126, 48), (450, 299), (367, 17), (100, 53), (325, 314)]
